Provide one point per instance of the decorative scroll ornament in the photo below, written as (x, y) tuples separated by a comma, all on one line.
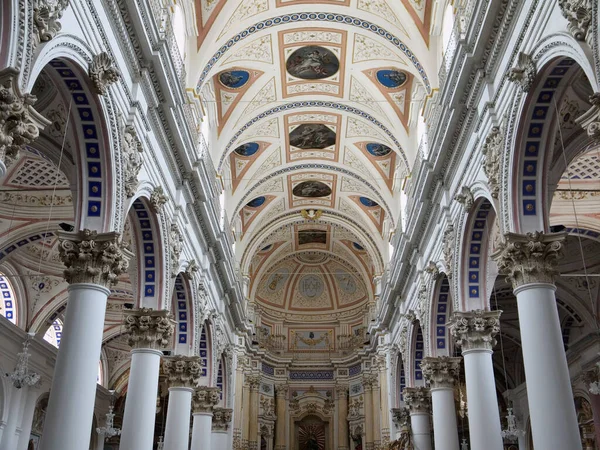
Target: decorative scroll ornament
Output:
[(221, 419), (46, 16), (448, 248), (205, 398), (418, 399), (311, 214), (191, 269), (579, 15), (524, 72), (465, 198), (441, 372), (590, 120), (91, 257), (530, 258), (475, 329), (492, 152), (22, 375), (102, 72), (20, 123), (148, 328), (176, 242), (132, 159), (432, 269), (158, 199), (182, 371)]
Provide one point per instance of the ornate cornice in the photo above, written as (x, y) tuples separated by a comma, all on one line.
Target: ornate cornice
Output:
[(148, 328), (475, 330), (530, 258), (205, 398), (92, 257), (182, 371), (441, 372), (417, 399)]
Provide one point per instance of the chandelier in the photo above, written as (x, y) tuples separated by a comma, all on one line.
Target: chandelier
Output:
[(592, 375), (464, 445), (21, 376), (512, 433), (108, 430), (161, 444)]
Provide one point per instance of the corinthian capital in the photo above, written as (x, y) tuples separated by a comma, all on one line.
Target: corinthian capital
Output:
[(475, 330), (148, 328), (182, 371), (46, 15), (20, 123), (281, 390), (92, 257), (370, 381), (205, 398), (441, 372), (221, 419), (253, 382), (418, 399), (530, 258)]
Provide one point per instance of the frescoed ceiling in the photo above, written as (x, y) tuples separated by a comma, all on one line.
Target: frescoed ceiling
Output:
[(316, 106)]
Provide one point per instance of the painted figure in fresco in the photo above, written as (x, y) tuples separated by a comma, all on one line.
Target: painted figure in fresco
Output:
[(311, 189), (312, 135), (312, 62)]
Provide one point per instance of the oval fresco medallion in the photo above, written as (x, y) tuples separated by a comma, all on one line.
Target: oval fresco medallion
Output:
[(311, 286), (368, 202), (345, 281), (377, 149), (391, 79), (311, 189), (234, 79), (258, 201), (312, 135), (357, 246), (312, 63), (247, 149)]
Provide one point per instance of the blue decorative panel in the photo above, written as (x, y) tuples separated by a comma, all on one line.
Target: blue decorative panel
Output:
[(267, 369), (8, 310), (418, 355), (203, 352), (220, 378), (311, 375), (354, 370)]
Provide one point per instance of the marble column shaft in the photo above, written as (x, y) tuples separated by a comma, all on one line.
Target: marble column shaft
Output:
[(368, 381), (383, 382), (254, 383), (342, 396), (203, 401)]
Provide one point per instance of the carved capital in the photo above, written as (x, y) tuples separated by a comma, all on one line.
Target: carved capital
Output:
[(132, 159), (281, 390), (158, 199), (441, 372), (475, 330), (370, 381), (432, 269), (148, 328), (191, 269), (530, 258), (417, 399), (46, 16), (341, 390), (102, 72), (20, 123), (182, 371), (401, 417), (492, 152), (449, 240), (253, 382), (523, 74), (221, 419), (205, 398), (465, 198), (91, 257), (579, 15), (590, 120)]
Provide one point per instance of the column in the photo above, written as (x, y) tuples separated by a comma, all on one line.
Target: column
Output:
[(93, 261), (149, 331), (385, 408), (281, 392), (220, 426), (203, 402), (441, 374), (475, 333), (368, 381), (31, 398), (254, 383), (529, 262), (376, 412), (241, 362), (10, 437), (245, 412), (342, 397), (182, 373), (419, 404)]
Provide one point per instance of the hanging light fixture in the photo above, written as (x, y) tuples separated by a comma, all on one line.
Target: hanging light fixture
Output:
[(512, 433), (464, 445), (161, 444), (592, 377), (108, 430), (22, 376)]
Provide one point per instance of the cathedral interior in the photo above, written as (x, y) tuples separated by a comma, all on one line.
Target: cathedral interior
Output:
[(299, 224)]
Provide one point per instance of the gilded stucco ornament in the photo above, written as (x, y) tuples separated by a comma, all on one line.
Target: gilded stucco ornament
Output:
[(46, 16), (205, 398), (492, 152), (92, 257), (441, 372), (102, 72), (465, 198), (176, 247), (132, 159), (579, 15), (20, 124), (590, 120), (449, 240), (182, 371), (523, 74), (158, 199), (475, 330), (418, 399), (530, 258), (149, 328)]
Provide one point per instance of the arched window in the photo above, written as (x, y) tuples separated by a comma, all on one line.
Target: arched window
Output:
[(54, 333), (8, 306)]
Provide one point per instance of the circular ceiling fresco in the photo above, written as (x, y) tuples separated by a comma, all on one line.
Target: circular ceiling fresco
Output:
[(234, 79), (391, 79), (247, 149), (312, 63), (377, 149)]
